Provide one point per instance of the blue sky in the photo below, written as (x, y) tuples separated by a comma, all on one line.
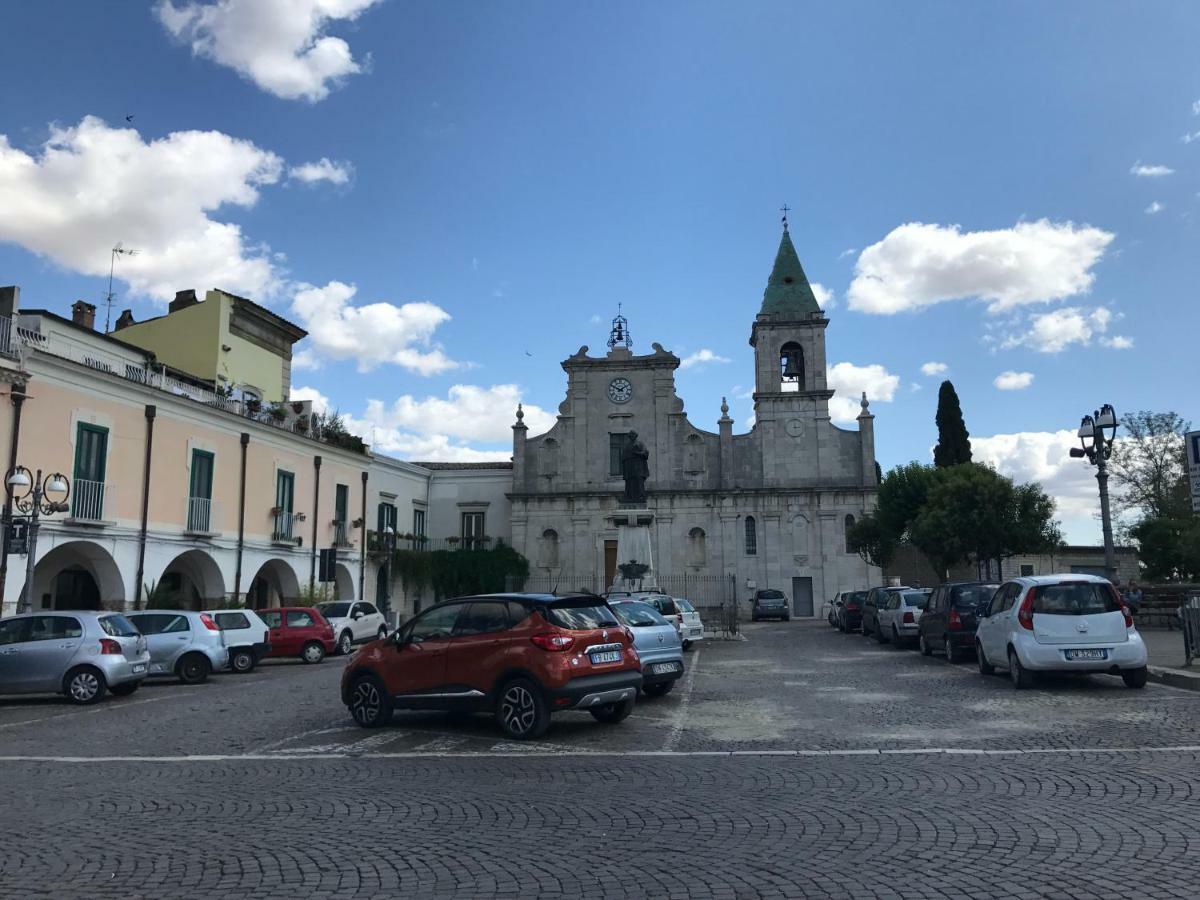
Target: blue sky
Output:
[(997, 189)]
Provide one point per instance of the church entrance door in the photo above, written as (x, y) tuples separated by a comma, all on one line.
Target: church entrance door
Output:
[(802, 598), (610, 563)]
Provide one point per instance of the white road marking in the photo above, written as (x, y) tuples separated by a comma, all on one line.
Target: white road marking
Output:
[(303, 734), (104, 707), (440, 745), (681, 714), (535, 751)]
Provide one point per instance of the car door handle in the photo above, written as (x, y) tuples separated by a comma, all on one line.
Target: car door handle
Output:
[(65, 646), (181, 638)]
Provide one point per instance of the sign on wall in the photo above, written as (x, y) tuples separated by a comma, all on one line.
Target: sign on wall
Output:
[(16, 540), (1192, 440)]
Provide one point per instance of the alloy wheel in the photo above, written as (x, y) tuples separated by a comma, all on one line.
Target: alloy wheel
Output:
[(518, 709), (312, 653), (84, 687), (365, 703), (345, 644)]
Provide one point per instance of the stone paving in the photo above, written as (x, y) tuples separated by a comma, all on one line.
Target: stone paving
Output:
[(801, 762)]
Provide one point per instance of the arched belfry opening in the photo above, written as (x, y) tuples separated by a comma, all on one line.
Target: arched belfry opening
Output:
[(791, 366)]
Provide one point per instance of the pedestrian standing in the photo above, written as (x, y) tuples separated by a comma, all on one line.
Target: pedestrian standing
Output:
[(1133, 596)]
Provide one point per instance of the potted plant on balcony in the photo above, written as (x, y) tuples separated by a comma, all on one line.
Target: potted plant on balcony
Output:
[(278, 413), (452, 541), (302, 424), (253, 406), (275, 510)]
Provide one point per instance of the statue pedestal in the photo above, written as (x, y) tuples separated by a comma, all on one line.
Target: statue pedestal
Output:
[(633, 545)]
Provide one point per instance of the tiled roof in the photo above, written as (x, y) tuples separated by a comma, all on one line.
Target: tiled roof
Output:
[(788, 292), (463, 465)]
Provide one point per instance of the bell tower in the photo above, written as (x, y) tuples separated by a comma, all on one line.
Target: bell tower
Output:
[(788, 337)]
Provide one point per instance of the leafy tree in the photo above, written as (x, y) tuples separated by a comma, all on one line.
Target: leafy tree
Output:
[(902, 494), (871, 540), (954, 445), (1169, 547), (1149, 465)]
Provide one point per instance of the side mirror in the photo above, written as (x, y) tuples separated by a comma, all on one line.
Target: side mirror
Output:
[(357, 614)]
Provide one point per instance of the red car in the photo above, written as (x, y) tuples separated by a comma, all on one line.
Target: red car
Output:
[(520, 657), (298, 631)]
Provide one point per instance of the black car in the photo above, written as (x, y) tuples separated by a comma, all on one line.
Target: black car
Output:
[(948, 623), (876, 598), (770, 604), (848, 616)]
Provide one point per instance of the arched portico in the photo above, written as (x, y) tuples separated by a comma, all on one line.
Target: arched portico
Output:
[(195, 579), (343, 582), (275, 584), (77, 575)]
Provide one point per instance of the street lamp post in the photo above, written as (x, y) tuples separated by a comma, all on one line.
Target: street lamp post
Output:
[(389, 547), (35, 498), (1096, 434)]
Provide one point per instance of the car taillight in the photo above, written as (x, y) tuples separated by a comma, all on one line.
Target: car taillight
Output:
[(553, 641), (954, 622), (208, 622), (851, 606), (908, 619), (109, 647), (628, 634), (1025, 613)]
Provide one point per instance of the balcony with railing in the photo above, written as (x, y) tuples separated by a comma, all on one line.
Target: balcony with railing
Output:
[(341, 534), (201, 516), (284, 530), (92, 502)]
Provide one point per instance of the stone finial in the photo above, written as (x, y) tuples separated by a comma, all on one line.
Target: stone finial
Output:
[(724, 407), (864, 404), (521, 414)]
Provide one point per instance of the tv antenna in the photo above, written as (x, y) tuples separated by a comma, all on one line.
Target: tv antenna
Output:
[(118, 250)]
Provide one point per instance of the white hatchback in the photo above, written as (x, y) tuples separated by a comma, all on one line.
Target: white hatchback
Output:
[(1060, 623), (692, 629), (353, 623)]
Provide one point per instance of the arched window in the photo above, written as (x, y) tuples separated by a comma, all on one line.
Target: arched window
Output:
[(791, 367), (849, 525), (751, 536), (697, 552), (549, 554)]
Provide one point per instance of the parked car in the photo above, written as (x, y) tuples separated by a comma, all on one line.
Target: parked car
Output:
[(899, 615), (948, 623), (1060, 623), (520, 657), (849, 610), (657, 643), (80, 654), (298, 631), (770, 604), (182, 643), (353, 623), (871, 604), (692, 627), (663, 603), (246, 637)]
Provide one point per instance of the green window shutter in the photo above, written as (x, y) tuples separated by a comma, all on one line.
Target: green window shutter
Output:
[(202, 474), (91, 452)]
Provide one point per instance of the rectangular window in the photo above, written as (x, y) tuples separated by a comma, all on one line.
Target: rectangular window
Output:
[(91, 461), (199, 514), (419, 522), (616, 445), (386, 517), (472, 530), (285, 490), (1026, 570), (341, 503)]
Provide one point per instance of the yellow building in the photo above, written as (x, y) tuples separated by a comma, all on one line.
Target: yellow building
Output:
[(243, 348)]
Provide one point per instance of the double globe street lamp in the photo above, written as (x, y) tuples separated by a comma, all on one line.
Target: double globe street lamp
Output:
[(1096, 435), (34, 497)]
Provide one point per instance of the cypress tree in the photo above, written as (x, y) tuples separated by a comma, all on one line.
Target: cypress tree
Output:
[(954, 445)]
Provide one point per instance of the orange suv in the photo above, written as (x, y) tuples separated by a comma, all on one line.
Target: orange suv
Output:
[(520, 657)]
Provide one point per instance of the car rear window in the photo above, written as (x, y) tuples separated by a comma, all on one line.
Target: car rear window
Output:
[(232, 621), (1078, 598), (973, 595), (770, 595), (855, 597), (117, 626), (664, 605), (300, 618), (637, 615), (685, 605), (916, 598), (580, 618)]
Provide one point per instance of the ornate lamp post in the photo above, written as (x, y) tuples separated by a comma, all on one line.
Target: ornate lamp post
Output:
[(389, 546), (34, 498), (1096, 435)]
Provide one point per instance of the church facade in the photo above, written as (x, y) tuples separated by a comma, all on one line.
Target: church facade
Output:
[(765, 509)]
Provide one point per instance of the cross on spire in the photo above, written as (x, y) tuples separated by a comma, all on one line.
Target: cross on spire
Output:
[(785, 209)]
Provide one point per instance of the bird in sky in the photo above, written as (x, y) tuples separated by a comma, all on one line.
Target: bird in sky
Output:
[(129, 118)]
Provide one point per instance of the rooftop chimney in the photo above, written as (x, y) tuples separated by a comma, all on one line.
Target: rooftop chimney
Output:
[(84, 313), (10, 300), (125, 320), (183, 299)]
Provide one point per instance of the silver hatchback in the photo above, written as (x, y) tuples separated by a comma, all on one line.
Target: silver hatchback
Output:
[(80, 654), (182, 643)]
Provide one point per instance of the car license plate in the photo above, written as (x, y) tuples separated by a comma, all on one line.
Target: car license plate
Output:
[(139, 668), (697, 631), (1087, 654), (660, 668), (611, 656)]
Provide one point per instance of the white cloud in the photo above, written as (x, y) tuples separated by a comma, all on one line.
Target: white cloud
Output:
[(849, 251), (306, 359), (1053, 332), (933, 368), (825, 297), (1154, 208), (1013, 381), (324, 169), (1189, 138), (1144, 171), (92, 185), (468, 412), (701, 357), (279, 45), (849, 381), (1117, 342), (370, 334), (918, 265), (1196, 108)]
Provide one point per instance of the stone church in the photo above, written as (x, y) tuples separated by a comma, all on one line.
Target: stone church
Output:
[(766, 509)]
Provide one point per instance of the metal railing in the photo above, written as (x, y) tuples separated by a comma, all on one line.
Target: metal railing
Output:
[(7, 346), (1189, 614), (201, 515), (284, 529), (89, 499), (341, 534)]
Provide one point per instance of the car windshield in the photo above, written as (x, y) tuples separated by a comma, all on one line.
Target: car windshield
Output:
[(685, 605), (770, 595), (855, 597), (334, 610), (581, 618), (1078, 598), (118, 626), (916, 598), (973, 595), (637, 615)]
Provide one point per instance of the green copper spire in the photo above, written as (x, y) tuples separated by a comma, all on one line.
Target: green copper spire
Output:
[(788, 292)]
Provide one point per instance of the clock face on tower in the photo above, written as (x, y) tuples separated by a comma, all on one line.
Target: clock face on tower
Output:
[(620, 390)]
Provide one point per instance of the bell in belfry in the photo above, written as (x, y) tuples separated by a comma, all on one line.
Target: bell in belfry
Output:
[(792, 366)]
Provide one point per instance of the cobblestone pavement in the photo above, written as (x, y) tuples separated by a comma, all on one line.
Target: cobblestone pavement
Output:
[(801, 762)]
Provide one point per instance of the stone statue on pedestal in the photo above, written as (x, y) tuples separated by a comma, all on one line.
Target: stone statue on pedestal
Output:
[(635, 469)]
